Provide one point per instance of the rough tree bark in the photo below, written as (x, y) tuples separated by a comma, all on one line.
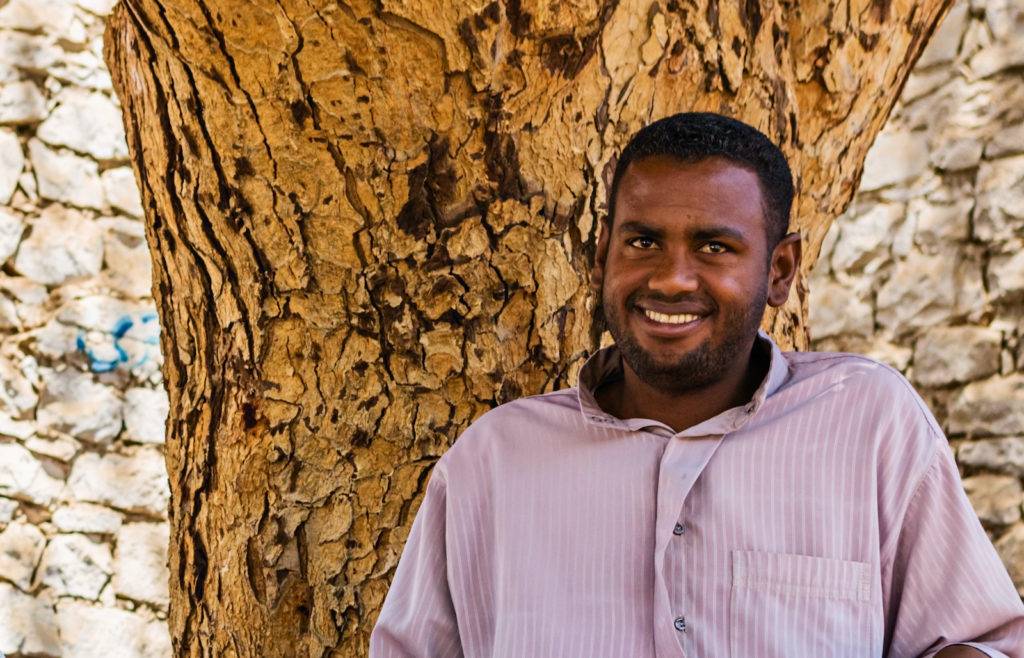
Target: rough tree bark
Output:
[(371, 221)]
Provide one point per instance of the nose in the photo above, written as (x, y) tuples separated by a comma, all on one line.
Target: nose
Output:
[(675, 274)]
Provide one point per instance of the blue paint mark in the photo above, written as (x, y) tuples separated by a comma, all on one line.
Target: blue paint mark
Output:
[(122, 327), (101, 365), (122, 344)]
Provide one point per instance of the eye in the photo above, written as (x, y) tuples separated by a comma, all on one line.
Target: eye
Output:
[(642, 242), (714, 247)]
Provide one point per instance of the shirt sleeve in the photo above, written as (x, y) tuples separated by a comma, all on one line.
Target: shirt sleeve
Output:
[(418, 618), (948, 583)]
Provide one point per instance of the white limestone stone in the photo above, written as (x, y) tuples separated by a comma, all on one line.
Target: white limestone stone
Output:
[(18, 429), (1000, 208), (8, 508), (1004, 18), (122, 191), (97, 7), (86, 122), (918, 293), (29, 306), (64, 176), (922, 83), (21, 102), (957, 154), (100, 312), (82, 69), (140, 563), (895, 158), (1008, 140), (1000, 455), (12, 227), (157, 640), (988, 407), (61, 448), (9, 314), (23, 476), (74, 565), (936, 224), (946, 355), (863, 239), (28, 626), (87, 517), (997, 58), (74, 403), (145, 414), (64, 244), (903, 237), (945, 42), (92, 631), (133, 482), (1006, 273), (837, 309), (129, 264), (12, 161), (54, 340), (24, 289), (1010, 547), (996, 498), (18, 397), (21, 546), (53, 17), (26, 196), (27, 51)]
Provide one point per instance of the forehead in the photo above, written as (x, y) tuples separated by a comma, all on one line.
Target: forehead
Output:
[(712, 189)]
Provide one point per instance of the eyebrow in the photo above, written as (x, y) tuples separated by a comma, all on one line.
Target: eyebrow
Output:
[(639, 227), (699, 234), (716, 232)]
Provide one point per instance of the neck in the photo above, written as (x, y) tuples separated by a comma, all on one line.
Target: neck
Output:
[(631, 397)]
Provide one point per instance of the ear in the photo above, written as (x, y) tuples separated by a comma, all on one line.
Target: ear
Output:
[(784, 266), (600, 255)]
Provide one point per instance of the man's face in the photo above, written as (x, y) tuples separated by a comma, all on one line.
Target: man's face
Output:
[(685, 272)]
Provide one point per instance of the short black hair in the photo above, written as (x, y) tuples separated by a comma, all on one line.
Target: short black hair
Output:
[(695, 136)]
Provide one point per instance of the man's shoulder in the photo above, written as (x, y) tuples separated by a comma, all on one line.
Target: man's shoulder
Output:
[(844, 367), (864, 382), (531, 406), (534, 417)]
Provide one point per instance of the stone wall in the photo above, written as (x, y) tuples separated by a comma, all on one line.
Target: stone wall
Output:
[(926, 269), (83, 490), (926, 272)]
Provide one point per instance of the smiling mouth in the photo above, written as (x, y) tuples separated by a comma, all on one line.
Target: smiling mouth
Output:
[(666, 318)]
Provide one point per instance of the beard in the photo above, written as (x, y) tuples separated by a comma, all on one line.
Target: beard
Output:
[(700, 367)]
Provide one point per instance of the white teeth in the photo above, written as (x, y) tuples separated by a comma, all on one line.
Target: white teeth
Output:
[(665, 318)]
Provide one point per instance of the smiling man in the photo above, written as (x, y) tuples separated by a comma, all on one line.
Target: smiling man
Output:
[(701, 493)]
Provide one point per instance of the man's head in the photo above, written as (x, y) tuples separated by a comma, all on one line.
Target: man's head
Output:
[(695, 136), (695, 250)]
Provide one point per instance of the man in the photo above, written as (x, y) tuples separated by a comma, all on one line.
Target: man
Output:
[(701, 493)]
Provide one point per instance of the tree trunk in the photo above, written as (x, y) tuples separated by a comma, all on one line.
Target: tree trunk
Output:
[(372, 221)]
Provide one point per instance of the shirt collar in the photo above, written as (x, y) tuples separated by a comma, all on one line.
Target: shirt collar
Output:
[(606, 364)]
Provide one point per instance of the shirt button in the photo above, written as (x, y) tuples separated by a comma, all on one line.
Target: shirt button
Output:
[(680, 624), (679, 529)]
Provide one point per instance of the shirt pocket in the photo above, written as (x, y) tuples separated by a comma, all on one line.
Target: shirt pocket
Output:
[(798, 605)]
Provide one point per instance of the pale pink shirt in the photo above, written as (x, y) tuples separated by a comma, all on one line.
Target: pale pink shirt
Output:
[(824, 518)]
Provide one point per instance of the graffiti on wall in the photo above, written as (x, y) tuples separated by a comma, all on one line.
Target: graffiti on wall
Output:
[(131, 343)]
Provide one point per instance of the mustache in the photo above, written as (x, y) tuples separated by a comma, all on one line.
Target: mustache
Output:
[(700, 301)]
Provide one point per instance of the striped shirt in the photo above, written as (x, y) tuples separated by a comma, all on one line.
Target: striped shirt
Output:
[(823, 518)]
